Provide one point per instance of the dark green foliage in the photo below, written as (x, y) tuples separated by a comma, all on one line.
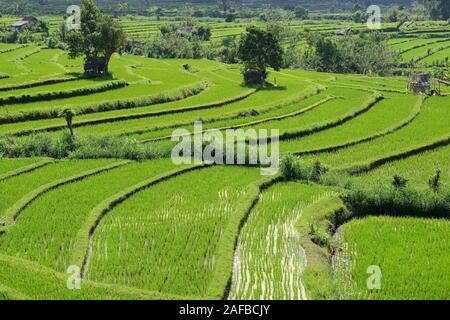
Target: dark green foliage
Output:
[(173, 46), (323, 54), (366, 53), (260, 49), (292, 168), (99, 37), (93, 147), (38, 146), (438, 9), (317, 171), (178, 41), (319, 236), (393, 201), (54, 41), (301, 12), (202, 32), (207, 8), (29, 33), (9, 37), (359, 16), (230, 17), (399, 182)]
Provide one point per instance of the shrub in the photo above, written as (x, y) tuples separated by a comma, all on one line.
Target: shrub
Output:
[(289, 167), (319, 236), (399, 182), (398, 202), (163, 97), (46, 96), (93, 147), (292, 168), (68, 146)]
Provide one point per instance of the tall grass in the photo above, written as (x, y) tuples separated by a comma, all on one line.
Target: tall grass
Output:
[(84, 147)]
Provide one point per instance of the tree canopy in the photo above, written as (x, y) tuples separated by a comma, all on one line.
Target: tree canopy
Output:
[(98, 38), (258, 50), (438, 9)]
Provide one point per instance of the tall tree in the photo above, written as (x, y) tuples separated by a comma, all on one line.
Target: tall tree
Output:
[(98, 38), (226, 5), (258, 50), (18, 8), (438, 9), (68, 114)]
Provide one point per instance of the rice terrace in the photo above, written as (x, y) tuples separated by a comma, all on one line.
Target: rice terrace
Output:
[(109, 190)]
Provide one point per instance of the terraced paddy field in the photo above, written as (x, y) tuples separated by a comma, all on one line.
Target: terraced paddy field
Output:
[(392, 244), (137, 226)]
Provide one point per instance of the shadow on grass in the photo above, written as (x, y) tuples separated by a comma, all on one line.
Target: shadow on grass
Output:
[(265, 87), (80, 75)]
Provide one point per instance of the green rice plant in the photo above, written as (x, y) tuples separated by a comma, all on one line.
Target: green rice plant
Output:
[(44, 63), (414, 44), (85, 147), (270, 259), (23, 279), (423, 52), (8, 47), (8, 165), (138, 97), (411, 253), (221, 92), (51, 239), (161, 81), (13, 189), (417, 169), (429, 126), (438, 58), (388, 84), (389, 114), (10, 64), (398, 199), (52, 86), (172, 244)]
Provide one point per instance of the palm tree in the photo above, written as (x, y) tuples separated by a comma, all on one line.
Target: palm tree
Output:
[(68, 114)]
